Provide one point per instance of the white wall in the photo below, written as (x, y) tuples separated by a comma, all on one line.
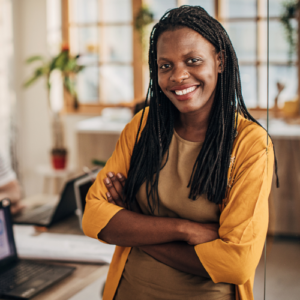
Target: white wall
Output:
[(34, 139), (33, 129)]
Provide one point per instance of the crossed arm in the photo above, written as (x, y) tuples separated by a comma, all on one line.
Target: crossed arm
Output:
[(169, 240)]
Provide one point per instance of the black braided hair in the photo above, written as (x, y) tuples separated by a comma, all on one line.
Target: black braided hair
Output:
[(209, 174)]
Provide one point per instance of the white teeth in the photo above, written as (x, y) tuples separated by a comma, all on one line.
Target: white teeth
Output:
[(183, 92)]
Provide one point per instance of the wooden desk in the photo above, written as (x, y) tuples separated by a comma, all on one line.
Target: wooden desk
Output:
[(84, 275)]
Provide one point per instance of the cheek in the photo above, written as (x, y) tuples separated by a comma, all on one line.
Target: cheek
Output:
[(208, 74), (162, 81)]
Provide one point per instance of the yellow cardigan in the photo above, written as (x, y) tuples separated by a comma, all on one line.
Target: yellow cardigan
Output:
[(233, 257)]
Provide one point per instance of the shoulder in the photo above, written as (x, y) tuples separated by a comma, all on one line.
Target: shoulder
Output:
[(132, 127), (130, 131), (252, 154), (251, 138), (135, 122), (251, 146)]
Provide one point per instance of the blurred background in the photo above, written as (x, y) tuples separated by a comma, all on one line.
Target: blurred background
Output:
[(72, 73)]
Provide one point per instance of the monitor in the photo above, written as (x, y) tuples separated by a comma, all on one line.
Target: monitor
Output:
[(8, 251)]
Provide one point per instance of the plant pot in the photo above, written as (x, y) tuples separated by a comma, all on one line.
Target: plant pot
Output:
[(59, 159)]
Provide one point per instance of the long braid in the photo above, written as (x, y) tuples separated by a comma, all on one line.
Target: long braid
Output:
[(209, 174)]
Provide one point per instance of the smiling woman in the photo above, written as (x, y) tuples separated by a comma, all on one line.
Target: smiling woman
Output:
[(185, 194), (188, 68)]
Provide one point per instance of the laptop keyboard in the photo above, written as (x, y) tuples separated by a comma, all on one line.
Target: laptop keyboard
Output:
[(40, 214), (20, 273), (45, 215)]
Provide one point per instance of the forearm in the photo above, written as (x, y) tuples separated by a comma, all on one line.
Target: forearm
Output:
[(11, 190), (178, 255), (130, 229)]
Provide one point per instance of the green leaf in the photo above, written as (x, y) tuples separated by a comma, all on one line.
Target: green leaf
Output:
[(62, 60), (78, 68), (31, 80), (52, 64), (34, 58), (39, 72), (69, 85), (71, 65)]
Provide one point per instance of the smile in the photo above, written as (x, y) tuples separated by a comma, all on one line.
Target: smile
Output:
[(185, 91)]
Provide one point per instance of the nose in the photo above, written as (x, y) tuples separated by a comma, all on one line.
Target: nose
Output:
[(179, 74)]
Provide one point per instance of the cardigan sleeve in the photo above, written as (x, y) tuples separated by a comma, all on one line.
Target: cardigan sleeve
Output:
[(234, 257), (98, 211)]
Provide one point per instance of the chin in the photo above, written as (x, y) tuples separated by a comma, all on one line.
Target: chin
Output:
[(186, 108)]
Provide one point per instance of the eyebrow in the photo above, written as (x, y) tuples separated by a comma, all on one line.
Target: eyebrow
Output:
[(185, 55)]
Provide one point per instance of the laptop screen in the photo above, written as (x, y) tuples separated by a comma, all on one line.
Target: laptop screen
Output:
[(83, 190), (7, 246), (82, 186)]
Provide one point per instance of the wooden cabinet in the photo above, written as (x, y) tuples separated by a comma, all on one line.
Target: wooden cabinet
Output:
[(96, 139), (285, 201)]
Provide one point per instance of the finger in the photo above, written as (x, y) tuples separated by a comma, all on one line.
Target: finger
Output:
[(110, 198), (16, 208), (116, 183), (121, 178), (14, 201), (111, 189)]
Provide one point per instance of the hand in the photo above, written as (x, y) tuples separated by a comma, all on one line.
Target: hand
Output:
[(115, 185), (16, 207), (12, 191), (199, 233)]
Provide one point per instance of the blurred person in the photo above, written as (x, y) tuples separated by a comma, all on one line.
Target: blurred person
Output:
[(184, 196), (9, 187)]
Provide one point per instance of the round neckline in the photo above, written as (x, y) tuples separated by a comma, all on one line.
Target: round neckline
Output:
[(186, 141)]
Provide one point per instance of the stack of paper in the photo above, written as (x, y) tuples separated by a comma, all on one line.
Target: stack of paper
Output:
[(66, 247)]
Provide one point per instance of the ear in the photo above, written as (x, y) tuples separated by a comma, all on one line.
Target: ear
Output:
[(221, 61)]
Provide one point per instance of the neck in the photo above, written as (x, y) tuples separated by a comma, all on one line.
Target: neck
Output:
[(193, 126)]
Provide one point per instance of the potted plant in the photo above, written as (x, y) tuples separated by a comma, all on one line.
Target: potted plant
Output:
[(143, 18), (290, 10), (69, 67)]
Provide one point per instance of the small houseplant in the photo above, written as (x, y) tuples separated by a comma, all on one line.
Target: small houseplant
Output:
[(290, 10), (69, 67), (143, 18)]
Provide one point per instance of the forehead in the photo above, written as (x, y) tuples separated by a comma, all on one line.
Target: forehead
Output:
[(181, 41)]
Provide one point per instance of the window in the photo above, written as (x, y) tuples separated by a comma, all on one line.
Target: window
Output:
[(246, 24), (54, 41), (103, 33)]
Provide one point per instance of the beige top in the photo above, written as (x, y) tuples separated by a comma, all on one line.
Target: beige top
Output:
[(146, 278)]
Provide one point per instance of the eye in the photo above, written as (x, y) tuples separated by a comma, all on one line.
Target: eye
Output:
[(165, 66), (194, 60)]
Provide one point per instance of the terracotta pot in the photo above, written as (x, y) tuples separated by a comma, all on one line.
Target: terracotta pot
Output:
[(59, 159)]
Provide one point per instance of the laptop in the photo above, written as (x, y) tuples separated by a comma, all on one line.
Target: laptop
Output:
[(22, 279), (48, 214), (81, 188)]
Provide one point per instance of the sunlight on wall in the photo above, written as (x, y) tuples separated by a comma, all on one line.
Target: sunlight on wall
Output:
[(7, 96)]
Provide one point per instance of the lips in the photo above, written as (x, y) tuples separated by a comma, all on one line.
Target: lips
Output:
[(184, 92)]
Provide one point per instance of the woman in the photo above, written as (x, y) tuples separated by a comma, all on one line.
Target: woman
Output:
[(196, 170)]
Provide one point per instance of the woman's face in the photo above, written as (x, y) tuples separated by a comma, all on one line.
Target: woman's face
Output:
[(188, 68)]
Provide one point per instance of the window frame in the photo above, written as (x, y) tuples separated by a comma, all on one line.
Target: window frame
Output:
[(138, 66), (96, 108)]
